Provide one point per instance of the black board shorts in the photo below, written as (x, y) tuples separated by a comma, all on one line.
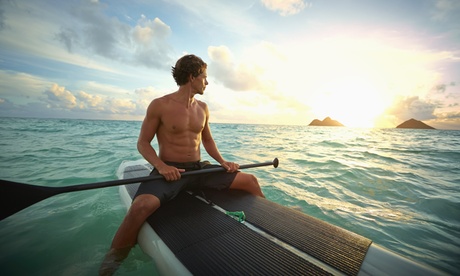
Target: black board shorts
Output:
[(166, 191)]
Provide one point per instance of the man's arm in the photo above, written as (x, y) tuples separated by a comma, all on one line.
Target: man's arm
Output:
[(211, 148), (149, 128)]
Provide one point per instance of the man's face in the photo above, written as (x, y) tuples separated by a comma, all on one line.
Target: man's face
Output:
[(200, 82)]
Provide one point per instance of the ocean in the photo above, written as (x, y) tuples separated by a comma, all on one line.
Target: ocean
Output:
[(397, 187)]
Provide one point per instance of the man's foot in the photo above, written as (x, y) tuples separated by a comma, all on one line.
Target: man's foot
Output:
[(113, 260)]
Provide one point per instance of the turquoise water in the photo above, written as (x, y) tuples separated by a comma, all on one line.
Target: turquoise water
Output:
[(400, 188)]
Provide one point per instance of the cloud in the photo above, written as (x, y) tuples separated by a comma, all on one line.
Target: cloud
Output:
[(92, 102), (450, 116), (445, 10), (150, 37), (2, 19), (446, 120), (447, 99), (256, 73), (58, 101), (68, 37), (21, 86), (238, 77), (406, 108), (285, 7), (147, 31), (121, 106), (94, 32), (105, 89), (31, 96), (145, 95), (106, 105), (39, 33), (35, 109), (59, 97), (444, 90)]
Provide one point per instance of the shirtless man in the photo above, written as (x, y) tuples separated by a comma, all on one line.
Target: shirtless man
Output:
[(181, 124)]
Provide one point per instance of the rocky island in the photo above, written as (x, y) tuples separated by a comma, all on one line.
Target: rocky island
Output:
[(412, 123), (326, 122)]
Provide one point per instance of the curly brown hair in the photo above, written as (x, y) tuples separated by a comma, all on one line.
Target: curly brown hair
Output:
[(186, 66)]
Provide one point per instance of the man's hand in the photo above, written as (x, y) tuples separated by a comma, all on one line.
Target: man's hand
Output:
[(170, 173), (230, 166)]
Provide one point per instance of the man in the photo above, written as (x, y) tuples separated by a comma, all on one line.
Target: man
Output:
[(181, 123)]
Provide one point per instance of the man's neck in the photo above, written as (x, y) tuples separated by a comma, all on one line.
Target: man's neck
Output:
[(185, 95)]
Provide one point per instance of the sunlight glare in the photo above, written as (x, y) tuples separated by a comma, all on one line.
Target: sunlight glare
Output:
[(353, 101)]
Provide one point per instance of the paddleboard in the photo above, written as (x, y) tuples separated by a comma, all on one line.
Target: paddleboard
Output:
[(232, 232)]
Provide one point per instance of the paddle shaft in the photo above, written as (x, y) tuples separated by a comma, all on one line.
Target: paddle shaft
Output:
[(111, 183), (17, 196)]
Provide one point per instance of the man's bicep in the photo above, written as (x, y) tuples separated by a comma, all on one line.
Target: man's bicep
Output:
[(150, 123), (206, 132)]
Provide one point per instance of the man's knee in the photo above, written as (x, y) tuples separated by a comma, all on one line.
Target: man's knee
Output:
[(251, 184), (252, 181), (144, 205)]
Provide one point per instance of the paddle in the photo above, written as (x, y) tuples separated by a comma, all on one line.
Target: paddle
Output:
[(17, 196)]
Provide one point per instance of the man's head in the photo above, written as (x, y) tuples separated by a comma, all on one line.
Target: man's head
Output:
[(186, 67)]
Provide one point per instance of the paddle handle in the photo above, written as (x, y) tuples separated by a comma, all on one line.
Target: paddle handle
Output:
[(120, 182)]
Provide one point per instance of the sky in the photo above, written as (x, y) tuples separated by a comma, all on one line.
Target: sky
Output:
[(365, 63)]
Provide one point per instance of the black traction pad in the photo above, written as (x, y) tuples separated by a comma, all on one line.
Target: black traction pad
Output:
[(339, 248), (209, 242)]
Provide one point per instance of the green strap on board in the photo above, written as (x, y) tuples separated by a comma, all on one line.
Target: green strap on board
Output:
[(238, 215)]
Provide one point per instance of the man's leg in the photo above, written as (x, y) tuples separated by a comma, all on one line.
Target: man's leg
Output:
[(247, 182), (126, 237)]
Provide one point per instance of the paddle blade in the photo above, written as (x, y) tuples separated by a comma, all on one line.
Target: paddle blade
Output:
[(17, 196)]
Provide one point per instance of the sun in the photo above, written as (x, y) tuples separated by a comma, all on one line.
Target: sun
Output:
[(352, 100)]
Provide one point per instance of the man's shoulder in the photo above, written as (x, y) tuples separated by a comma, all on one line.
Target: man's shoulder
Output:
[(157, 104), (166, 97), (201, 103), (162, 99)]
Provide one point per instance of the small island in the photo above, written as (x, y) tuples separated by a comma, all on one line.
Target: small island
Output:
[(412, 123), (326, 122)]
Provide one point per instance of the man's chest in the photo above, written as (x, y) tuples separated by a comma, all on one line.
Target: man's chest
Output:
[(180, 120)]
